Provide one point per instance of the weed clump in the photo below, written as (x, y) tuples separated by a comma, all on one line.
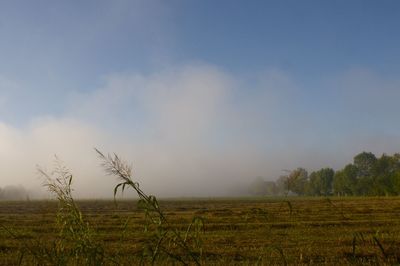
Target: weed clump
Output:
[(75, 242)]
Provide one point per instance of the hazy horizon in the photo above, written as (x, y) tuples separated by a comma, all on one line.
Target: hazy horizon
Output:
[(201, 97)]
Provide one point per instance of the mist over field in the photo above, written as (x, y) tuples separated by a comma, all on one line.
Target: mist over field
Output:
[(195, 136), (128, 77)]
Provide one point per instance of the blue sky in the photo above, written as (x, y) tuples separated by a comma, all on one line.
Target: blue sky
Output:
[(262, 85)]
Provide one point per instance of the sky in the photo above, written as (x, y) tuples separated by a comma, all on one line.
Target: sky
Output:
[(201, 96)]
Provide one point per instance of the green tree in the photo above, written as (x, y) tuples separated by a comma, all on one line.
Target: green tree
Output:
[(364, 162), (384, 175), (297, 181), (320, 182), (345, 181)]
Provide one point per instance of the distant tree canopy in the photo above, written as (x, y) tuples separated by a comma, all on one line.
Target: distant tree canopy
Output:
[(13, 193), (366, 176)]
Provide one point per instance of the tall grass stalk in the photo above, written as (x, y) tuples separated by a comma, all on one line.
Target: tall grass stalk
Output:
[(75, 241), (164, 238)]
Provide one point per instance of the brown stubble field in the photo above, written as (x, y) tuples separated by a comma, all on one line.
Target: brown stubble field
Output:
[(242, 231)]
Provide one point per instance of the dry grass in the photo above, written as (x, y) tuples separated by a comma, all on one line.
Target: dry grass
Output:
[(309, 231)]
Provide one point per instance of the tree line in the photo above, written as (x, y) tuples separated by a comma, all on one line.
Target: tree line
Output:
[(13, 193), (366, 176)]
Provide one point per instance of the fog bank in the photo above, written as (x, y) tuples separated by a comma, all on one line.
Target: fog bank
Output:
[(197, 130)]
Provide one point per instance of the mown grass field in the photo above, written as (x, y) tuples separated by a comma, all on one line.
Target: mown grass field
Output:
[(263, 231)]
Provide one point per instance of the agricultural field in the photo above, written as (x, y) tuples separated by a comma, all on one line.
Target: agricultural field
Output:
[(237, 231)]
